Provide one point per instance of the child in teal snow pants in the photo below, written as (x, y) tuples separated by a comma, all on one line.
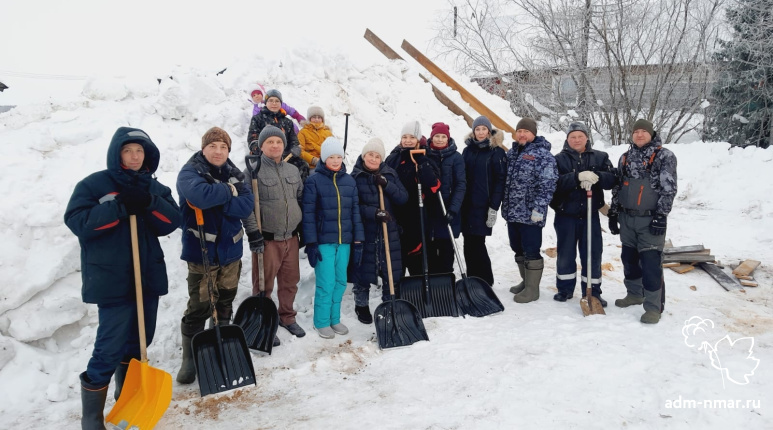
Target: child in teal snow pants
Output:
[(331, 224)]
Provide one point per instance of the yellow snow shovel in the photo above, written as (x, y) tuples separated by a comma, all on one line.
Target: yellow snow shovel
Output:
[(147, 391)]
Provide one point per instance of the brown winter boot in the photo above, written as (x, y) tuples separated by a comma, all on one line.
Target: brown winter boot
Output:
[(634, 293), (521, 268), (530, 292), (651, 307)]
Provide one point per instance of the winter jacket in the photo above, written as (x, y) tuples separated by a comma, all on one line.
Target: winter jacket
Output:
[(485, 166), (408, 215), (331, 211), (453, 184), (279, 119), (531, 180), (374, 251), (280, 193), (652, 162), (571, 200), (256, 107), (205, 186), (102, 225), (311, 137)]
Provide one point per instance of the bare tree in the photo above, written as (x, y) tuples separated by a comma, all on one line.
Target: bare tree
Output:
[(607, 62)]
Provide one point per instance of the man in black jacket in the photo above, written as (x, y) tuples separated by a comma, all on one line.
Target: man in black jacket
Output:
[(580, 168)]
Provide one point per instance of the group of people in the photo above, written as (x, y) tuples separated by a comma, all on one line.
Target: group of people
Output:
[(309, 199)]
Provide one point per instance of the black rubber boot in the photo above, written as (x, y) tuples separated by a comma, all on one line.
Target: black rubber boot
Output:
[(363, 314), (521, 262), (562, 297), (93, 402), (120, 376), (187, 373)]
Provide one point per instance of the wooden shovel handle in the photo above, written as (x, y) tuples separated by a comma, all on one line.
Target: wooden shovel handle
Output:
[(138, 288), (386, 243)]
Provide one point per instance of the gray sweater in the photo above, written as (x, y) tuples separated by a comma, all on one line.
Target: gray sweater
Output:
[(280, 191)]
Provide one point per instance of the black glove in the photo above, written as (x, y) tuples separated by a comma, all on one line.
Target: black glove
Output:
[(241, 188), (379, 179), (135, 199), (312, 252), (383, 216), (658, 225), (450, 217), (357, 256), (255, 148), (257, 245), (614, 227)]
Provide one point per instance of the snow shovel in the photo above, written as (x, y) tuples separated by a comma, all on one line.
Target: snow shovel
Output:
[(257, 315), (220, 353), (147, 391), (398, 322), (590, 305), (433, 295), (475, 296)]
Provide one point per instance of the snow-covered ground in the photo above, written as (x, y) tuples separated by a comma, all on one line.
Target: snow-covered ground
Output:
[(537, 365)]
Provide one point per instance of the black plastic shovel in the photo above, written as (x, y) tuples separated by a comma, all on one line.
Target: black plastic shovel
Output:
[(433, 295), (258, 315), (476, 297), (220, 354), (398, 323)]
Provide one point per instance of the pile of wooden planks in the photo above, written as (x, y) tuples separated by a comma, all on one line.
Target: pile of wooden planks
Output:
[(744, 273), (682, 259)]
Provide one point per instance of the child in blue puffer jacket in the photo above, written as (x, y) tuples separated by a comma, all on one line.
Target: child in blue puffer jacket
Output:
[(331, 223)]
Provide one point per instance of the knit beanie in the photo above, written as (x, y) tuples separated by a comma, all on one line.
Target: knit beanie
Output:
[(440, 128), (274, 93), (269, 131), (578, 126), (412, 128), (482, 120), (331, 146), (375, 145), (643, 124), (315, 110), (527, 124), (216, 134)]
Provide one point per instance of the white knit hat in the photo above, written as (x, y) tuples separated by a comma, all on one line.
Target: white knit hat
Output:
[(315, 110), (375, 145), (412, 128), (331, 146)]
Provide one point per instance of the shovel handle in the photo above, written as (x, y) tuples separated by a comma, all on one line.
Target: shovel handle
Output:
[(261, 278), (417, 151), (386, 243), (138, 288), (205, 258)]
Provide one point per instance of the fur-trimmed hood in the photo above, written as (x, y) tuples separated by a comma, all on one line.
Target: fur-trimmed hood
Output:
[(497, 139)]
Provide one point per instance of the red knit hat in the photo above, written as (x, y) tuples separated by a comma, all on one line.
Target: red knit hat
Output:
[(440, 128)]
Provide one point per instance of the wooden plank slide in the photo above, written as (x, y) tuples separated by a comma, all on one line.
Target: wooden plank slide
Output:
[(392, 55), (722, 278)]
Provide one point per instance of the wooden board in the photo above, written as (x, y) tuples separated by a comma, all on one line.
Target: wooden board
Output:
[(683, 268), (672, 264), (683, 249), (688, 258), (746, 268), (721, 277), (746, 283), (745, 277)]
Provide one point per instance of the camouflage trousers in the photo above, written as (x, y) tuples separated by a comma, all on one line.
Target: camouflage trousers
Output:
[(224, 282)]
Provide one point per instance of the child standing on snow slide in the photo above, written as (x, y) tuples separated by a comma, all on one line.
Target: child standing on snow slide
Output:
[(257, 97), (98, 213), (312, 135), (370, 172), (331, 222)]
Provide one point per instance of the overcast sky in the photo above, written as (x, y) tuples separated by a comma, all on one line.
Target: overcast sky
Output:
[(92, 37)]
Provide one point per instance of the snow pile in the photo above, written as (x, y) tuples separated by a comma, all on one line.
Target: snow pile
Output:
[(540, 364)]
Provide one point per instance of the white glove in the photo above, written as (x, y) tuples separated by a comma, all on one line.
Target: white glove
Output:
[(233, 189), (586, 185), (588, 176), (536, 216), (492, 218)]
